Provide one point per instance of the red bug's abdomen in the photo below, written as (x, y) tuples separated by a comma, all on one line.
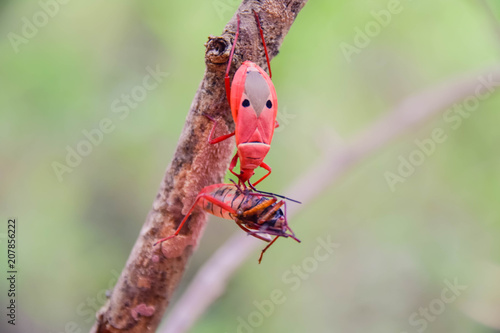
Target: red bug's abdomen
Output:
[(252, 154)]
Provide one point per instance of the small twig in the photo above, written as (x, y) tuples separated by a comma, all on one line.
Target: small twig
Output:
[(491, 17), (152, 274), (211, 280)]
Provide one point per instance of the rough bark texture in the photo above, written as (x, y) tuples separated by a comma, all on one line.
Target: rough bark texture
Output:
[(151, 274)]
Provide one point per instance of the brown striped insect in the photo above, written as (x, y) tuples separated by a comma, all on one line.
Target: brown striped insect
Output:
[(259, 214)]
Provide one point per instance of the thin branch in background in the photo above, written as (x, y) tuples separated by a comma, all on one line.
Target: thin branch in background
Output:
[(151, 275), (211, 280), (491, 17)]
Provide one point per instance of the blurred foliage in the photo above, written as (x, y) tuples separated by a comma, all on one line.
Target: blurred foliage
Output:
[(396, 248)]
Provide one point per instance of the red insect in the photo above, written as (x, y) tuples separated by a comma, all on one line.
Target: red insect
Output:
[(258, 214), (254, 106)]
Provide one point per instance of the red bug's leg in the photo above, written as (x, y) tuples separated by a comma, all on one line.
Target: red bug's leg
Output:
[(232, 165), (226, 78), (276, 124), (211, 140), (265, 249), (250, 233), (264, 166), (263, 42)]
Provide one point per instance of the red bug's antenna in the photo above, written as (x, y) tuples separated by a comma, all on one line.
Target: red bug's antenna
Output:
[(259, 192), (226, 78), (263, 42)]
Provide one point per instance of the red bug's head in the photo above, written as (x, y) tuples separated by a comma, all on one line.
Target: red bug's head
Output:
[(245, 175)]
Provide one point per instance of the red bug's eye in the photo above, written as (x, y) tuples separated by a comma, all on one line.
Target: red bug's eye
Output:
[(246, 103), (269, 104)]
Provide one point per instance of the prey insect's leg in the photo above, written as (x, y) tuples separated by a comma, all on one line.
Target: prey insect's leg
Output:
[(226, 78), (265, 249), (292, 235), (252, 233)]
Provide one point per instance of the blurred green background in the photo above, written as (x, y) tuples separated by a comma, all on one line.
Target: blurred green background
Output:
[(397, 248)]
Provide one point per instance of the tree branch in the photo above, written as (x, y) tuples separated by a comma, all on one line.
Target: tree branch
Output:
[(151, 276), (211, 280), (491, 18)]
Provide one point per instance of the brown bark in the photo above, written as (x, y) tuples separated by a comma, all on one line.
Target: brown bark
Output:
[(151, 275)]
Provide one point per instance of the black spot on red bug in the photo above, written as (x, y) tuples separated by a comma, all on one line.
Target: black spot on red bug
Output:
[(246, 103), (269, 104)]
